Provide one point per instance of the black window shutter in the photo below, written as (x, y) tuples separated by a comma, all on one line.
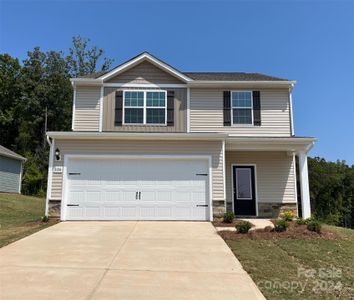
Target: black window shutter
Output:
[(227, 108), (170, 108), (257, 108), (119, 109)]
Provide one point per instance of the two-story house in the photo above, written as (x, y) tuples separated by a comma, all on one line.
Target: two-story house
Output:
[(149, 142)]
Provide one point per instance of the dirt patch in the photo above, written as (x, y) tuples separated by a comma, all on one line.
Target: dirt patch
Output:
[(12, 234), (294, 231)]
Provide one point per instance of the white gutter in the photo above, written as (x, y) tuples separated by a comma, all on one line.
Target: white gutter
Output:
[(193, 83), (86, 81), (136, 135), (291, 110), (16, 157), (272, 139), (214, 83)]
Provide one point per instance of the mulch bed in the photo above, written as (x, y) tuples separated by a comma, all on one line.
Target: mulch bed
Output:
[(294, 231), (220, 223)]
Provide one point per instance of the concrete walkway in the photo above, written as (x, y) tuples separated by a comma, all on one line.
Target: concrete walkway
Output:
[(123, 260), (257, 224)]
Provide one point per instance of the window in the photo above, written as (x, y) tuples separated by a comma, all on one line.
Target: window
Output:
[(243, 183), (133, 107), (145, 107), (155, 107), (242, 108)]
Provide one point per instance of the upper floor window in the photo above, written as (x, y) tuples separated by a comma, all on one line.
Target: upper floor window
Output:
[(145, 107), (242, 107)]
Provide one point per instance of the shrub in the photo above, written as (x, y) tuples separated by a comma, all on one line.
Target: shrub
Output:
[(45, 219), (308, 220), (228, 217), (301, 221), (314, 225), (288, 215), (280, 225), (243, 226)]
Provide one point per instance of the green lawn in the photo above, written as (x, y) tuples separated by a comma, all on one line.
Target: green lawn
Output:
[(277, 265), (20, 216)]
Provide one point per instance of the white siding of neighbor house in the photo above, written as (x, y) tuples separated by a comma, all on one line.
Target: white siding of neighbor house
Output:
[(213, 148), (87, 109), (275, 175), (206, 113)]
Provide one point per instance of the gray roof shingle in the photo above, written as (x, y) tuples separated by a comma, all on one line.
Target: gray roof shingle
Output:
[(231, 76), (206, 76), (8, 153)]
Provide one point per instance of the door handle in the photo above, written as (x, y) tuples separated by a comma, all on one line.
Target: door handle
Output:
[(139, 195), (136, 196)]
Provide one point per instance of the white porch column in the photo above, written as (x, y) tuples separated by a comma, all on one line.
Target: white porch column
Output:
[(304, 184)]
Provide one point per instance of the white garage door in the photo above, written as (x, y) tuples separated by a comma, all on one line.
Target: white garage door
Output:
[(136, 189)]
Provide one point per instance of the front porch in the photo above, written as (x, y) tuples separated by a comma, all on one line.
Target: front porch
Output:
[(260, 176)]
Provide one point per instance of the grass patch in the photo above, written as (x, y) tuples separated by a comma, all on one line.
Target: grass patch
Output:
[(273, 263), (20, 216)]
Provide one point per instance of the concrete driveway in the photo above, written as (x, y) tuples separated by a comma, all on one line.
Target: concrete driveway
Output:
[(123, 260)]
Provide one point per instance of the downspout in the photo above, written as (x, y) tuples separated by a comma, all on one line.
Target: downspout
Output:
[(292, 131), (50, 168)]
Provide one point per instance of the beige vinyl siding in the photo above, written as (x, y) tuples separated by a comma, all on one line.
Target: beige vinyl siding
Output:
[(275, 175), (87, 109), (144, 72), (180, 119), (213, 148), (206, 113)]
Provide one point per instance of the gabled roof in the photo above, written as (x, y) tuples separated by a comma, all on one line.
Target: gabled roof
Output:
[(8, 153), (145, 56), (190, 79)]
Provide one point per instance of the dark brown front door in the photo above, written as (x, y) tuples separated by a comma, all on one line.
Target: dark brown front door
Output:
[(244, 192)]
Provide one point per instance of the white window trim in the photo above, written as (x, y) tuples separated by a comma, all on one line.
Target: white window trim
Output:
[(232, 108), (144, 107)]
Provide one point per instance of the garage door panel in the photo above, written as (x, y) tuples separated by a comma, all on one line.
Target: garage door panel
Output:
[(114, 196), (112, 212), (170, 189)]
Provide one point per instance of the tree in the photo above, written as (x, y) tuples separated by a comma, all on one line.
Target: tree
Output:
[(83, 60), (36, 96), (9, 95), (331, 191)]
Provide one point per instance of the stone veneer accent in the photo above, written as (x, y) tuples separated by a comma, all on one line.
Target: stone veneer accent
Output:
[(274, 210), (54, 208), (218, 208)]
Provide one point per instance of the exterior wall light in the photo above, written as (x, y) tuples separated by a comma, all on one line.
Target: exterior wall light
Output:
[(57, 154)]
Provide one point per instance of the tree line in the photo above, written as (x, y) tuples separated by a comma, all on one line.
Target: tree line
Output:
[(332, 191), (36, 95)]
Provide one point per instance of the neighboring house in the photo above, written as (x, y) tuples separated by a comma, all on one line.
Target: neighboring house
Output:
[(152, 143), (11, 165)]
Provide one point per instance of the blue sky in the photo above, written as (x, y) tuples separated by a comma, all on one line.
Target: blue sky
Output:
[(309, 41)]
